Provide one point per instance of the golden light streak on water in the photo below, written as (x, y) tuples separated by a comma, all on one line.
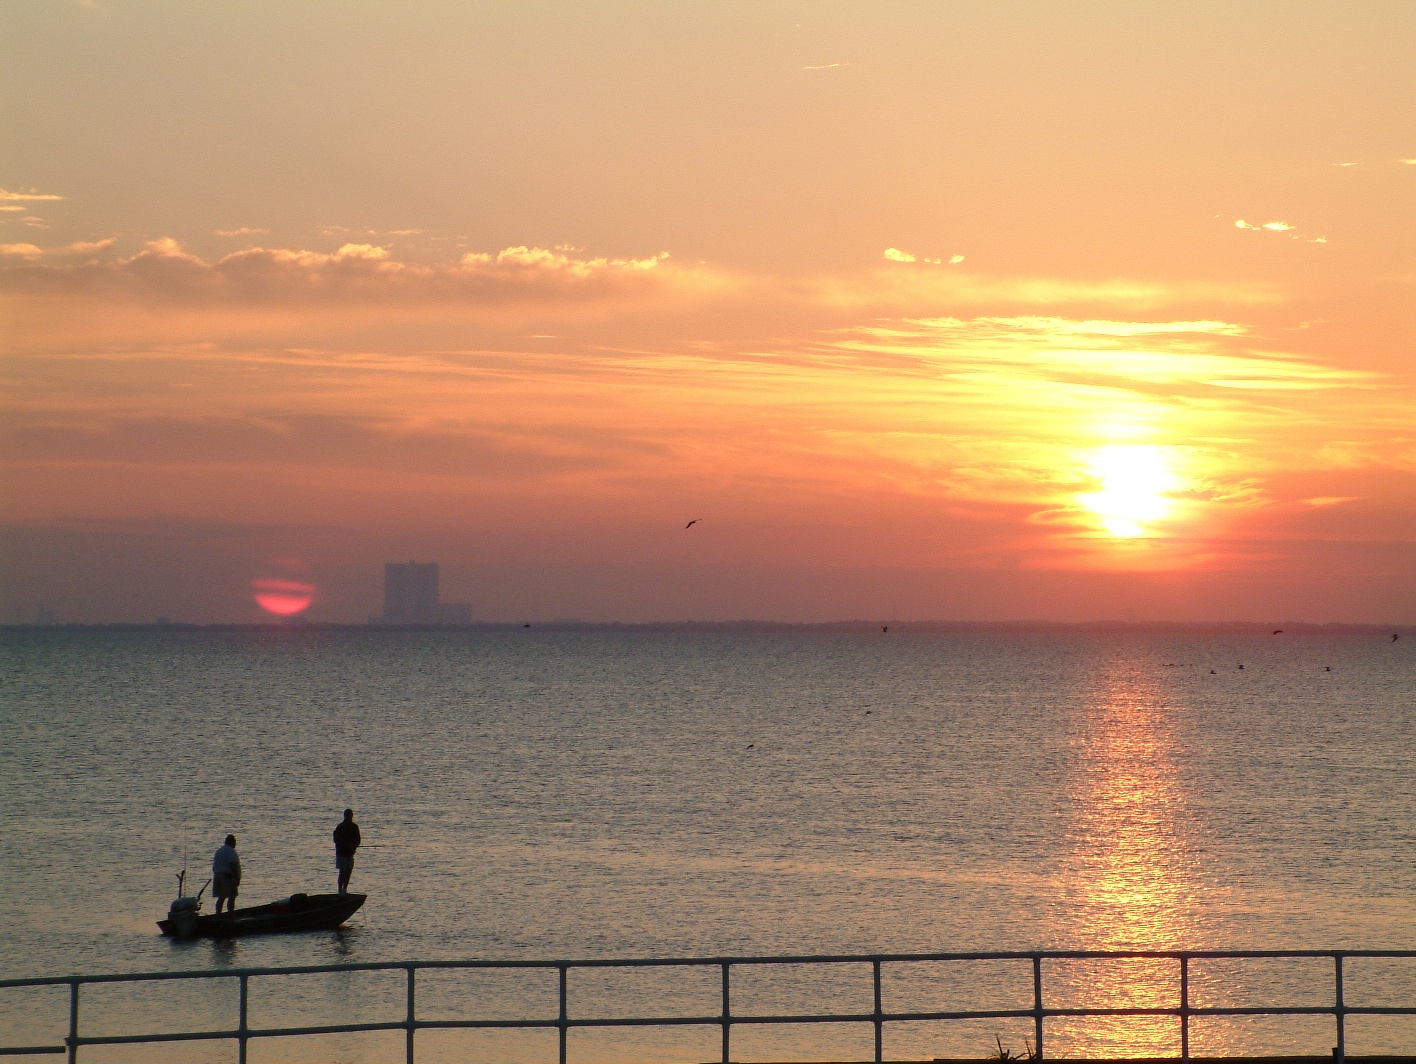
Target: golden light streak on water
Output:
[(1132, 871)]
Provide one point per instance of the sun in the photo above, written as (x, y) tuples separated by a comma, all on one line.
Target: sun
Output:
[(1135, 480)]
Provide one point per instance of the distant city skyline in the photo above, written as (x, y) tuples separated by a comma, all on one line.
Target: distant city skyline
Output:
[(969, 311)]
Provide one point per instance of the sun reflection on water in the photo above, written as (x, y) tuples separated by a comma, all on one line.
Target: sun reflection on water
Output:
[(1131, 871)]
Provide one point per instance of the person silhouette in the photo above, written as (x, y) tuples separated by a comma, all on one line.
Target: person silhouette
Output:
[(346, 841), (226, 875)]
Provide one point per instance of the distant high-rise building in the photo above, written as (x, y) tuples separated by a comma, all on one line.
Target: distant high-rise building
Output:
[(411, 597)]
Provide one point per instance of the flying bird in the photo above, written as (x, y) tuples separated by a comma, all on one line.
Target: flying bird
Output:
[(884, 627), (1395, 636), (693, 522), (1278, 631), (751, 745)]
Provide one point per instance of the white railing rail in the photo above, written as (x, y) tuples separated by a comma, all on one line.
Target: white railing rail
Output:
[(725, 1019)]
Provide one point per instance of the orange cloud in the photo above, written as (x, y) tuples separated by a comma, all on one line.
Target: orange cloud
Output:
[(163, 271), (31, 196)]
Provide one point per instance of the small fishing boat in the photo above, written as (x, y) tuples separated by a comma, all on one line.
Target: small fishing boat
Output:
[(299, 912)]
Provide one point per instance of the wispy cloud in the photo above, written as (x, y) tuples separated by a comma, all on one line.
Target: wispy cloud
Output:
[(35, 222), (362, 273), (6, 196), (244, 230), (88, 247), (896, 255), (826, 66), (894, 290), (32, 251), (1183, 355), (1278, 227)]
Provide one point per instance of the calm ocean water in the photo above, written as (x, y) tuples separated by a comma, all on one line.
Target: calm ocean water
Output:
[(602, 792)]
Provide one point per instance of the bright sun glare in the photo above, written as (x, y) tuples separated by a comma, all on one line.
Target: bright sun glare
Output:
[(1134, 481)]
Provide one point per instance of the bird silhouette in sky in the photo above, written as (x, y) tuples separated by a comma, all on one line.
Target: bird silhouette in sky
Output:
[(693, 522), (1395, 636), (884, 627), (1278, 631)]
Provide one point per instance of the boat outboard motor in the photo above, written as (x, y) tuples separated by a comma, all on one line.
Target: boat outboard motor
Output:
[(182, 914)]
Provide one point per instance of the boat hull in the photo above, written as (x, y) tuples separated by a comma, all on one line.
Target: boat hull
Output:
[(301, 912)]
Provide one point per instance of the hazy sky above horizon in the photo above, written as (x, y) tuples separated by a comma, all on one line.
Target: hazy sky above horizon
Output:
[(969, 310)]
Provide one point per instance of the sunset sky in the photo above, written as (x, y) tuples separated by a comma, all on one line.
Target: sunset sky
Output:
[(957, 310)]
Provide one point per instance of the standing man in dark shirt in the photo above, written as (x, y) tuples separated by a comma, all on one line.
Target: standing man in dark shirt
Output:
[(226, 875), (346, 841)]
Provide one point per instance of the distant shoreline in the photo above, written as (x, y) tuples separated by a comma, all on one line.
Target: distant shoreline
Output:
[(1178, 627)]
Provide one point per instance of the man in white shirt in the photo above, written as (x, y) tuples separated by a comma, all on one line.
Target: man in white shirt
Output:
[(226, 875)]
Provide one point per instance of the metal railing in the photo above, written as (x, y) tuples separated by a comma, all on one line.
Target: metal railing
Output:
[(726, 1019)]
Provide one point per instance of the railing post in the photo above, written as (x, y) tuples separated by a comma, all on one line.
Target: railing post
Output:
[(1340, 1011), (727, 1020), (410, 1022), (1037, 1006), (879, 1015), (241, 1024), (1184, 1007), (73, 1038), (563, 1023)]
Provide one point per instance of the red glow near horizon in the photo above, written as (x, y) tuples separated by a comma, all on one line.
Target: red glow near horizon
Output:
[(282, 597)]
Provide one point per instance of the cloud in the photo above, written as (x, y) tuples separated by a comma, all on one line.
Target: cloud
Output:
[(1279, 227), (895, 290), (88, 247), (164, 272), (1408, 162), (35, 222), (826, 66), (12, 207), (1175, 358), (1344, 165), (896, 255), (370, 443), (244, 230), (544, 260), (31, 196), (30, 251)]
